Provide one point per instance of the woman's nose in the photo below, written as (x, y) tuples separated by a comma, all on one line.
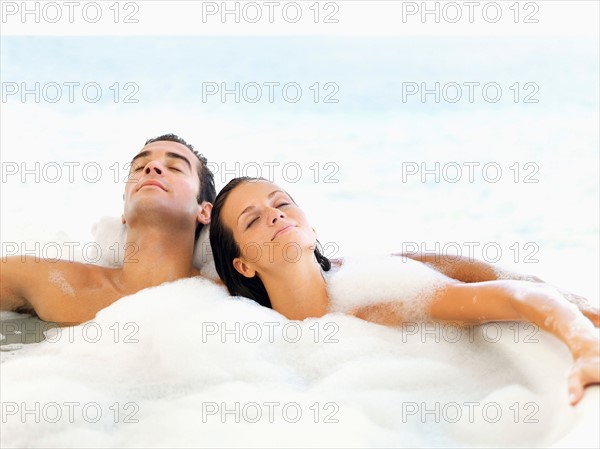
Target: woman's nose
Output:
[(276, 215)]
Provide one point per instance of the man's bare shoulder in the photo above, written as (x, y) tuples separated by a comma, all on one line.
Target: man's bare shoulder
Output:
[(44, 269), (52, 287)]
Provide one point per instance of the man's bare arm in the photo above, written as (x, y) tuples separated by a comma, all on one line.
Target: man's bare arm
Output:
[(13, 278), (470, 270), (57, 291), (466, 269)]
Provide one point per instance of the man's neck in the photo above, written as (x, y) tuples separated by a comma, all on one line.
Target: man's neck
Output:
[(154, 256)]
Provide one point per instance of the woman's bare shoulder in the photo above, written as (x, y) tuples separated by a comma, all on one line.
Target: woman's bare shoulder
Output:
[(337, 263)]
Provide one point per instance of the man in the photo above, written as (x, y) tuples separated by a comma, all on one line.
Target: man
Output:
[(168, 198)]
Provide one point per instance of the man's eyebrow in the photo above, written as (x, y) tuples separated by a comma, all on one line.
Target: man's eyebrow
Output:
[(139, 155), (168, 154), (249, 208), (179, 156)]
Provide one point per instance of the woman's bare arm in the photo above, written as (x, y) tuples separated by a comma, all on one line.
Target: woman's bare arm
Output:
[(469, 270), (538, 303), (507, 300)]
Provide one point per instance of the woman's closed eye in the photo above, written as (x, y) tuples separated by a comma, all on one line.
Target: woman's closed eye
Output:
[(251, 222), (255, 219)]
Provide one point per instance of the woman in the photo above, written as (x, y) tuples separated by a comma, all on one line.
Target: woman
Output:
[(265, 249)]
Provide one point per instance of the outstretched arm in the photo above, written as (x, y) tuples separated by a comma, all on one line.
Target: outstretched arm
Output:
[(467, 269), (46, 289), (482, 302), (13, 279), (538, 303)]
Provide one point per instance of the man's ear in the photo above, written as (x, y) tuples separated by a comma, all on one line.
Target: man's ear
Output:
[(242, 268), (204, 212), (123, 215)]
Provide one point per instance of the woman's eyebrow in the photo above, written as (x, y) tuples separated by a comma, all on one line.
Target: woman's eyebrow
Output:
[(274, 192), (249, 208)]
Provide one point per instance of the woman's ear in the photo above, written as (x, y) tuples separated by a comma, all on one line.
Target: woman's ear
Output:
[(243, 268), (123, 219), (204, 212), (316, 239)]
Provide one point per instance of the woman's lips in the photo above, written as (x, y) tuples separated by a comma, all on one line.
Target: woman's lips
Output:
[(284, 229)]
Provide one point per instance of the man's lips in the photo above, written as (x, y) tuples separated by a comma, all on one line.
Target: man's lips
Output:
[(152, 182), (285, 228)]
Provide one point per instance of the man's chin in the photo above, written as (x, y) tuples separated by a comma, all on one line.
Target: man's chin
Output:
[(156, 209)]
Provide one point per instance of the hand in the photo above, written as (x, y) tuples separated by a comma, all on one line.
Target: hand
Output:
[(593, 314), (583, 304), (585, 371)]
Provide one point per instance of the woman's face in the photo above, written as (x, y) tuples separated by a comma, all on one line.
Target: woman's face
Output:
[(268, 227)]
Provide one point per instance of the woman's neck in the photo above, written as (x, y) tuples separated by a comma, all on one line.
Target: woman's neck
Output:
[(298, 290)]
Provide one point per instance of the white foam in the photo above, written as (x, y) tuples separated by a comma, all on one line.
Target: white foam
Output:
[(6, 315), (56, 277), (156, 352), (503, 273), (379, 279)]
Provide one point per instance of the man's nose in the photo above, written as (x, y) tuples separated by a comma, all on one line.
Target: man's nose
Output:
[(153, 166)]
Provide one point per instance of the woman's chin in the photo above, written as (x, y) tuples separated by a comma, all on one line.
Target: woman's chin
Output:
[(295, 236)]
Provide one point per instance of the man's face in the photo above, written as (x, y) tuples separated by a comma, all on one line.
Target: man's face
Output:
[(163, 182)]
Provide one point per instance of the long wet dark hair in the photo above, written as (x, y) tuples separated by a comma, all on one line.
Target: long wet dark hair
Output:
[(225, 249)]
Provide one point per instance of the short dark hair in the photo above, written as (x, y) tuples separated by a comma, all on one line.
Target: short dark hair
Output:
[(225, 249), (207, 190)]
